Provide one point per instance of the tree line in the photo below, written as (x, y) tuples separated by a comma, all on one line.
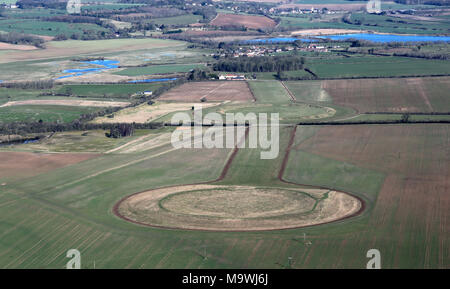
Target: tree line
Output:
[(19, 38), (260, 64)]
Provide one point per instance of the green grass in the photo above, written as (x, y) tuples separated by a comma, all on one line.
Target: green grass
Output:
[(380, 67), (269, 92), (158, 69), (371, 22), (309, 169), (108, 90), (47, 28), (308, 91), (93, 141), (46, 113), (44, 216)]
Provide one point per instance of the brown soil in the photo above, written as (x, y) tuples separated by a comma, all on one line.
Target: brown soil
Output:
[(253, 22), (68, 102), (18, 165), (211, 90)]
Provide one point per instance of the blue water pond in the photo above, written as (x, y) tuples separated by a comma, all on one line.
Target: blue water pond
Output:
[(387, 37), (104, 65)]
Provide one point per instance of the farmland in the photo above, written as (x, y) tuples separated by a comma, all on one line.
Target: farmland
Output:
[(48, 113), (253, 22), (212, 91), (405, 161), (158, 69), (72, 48), (356, 154)]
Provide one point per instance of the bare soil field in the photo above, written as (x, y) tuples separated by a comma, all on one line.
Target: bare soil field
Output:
[(18, 165), (234, 208), (8, 46), (253, 22), (101, 77), (413, 206), (211, 90), (343, 7), (391, 95), (68, 102)]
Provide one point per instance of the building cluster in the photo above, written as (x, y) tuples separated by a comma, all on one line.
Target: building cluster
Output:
[(314, 48), (10, 6), (297, 10), (253, 51), (231, 77)]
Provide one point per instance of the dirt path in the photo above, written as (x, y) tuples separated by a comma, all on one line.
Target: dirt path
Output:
[(126, 144), (419, 84), (291, 95)]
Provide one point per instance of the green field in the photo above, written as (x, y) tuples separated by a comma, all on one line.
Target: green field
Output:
[(107, 90), (46, 113), (48, 28), (370, 22), (269, 92), (158, 69), (379, 67), (71, 208)]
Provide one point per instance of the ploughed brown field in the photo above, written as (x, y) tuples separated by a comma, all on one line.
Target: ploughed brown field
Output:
[(253, 22), (19, 165), (391, 95), (410, 218), (211, 90)]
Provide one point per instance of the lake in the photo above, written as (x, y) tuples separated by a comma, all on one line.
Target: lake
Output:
[(385, 38), (104, 65)]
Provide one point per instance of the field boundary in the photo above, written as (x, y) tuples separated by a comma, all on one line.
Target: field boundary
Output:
[(281, 179)]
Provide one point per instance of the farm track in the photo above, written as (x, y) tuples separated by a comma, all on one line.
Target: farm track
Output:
[(115, 209)]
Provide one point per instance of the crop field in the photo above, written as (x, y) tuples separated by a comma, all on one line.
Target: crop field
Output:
[(379, 67), (47, 28), (407, 164), (47, 113), (269, 92), (391, 95), (248, 21), (158, 69), (72, 48), (177, 20), (372, 22), (62, 201), (358, 157), (213, 91), (21, 165), (67, 102), (107, 90), (93, 141), (147, 113)]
